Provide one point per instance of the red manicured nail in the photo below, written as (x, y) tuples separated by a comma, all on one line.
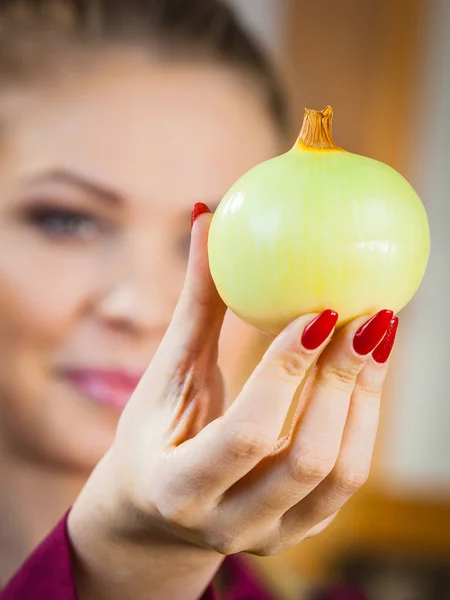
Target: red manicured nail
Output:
[(384, 348), (372, 332), (316, 332), (199, 209)]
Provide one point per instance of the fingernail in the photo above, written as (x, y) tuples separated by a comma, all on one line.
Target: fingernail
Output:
[(316, 332), (372, 332), (199, 209), (384, 348)]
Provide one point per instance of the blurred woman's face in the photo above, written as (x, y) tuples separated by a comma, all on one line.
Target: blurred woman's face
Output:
[(97, 182)]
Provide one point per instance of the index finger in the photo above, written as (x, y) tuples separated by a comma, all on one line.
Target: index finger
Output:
[(196, 322), (228, 448)]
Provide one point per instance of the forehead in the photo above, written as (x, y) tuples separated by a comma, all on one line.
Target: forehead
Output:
[(168, 132)]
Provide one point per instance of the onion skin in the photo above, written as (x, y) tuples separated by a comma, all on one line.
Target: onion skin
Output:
[(318, 228)]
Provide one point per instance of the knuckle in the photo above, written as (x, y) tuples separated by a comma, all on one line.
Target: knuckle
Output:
[(267, 542), (269, 549), (291, 531), (341, 377), (181, 515), (291, 365), (247, 442), (310, 467), (350, 480), (369, 390), (224, 543), (320, 527)]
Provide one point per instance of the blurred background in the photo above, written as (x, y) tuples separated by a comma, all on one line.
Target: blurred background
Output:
[(384, 66)]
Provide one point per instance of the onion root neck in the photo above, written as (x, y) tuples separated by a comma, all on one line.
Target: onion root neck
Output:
[(316, 130)]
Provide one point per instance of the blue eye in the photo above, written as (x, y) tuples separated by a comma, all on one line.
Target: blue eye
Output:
[(60, 223)]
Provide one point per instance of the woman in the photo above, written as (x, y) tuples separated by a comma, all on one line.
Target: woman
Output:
[(116, 118)]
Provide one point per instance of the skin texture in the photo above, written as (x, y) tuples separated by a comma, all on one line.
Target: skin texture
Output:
[(150, 139)]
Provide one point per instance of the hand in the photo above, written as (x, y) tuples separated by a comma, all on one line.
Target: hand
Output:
[(188, 481)]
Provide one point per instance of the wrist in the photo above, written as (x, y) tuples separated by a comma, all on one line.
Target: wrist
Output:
[(121, 553)]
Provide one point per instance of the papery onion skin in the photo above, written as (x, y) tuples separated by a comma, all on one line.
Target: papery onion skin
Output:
[(318, 228)]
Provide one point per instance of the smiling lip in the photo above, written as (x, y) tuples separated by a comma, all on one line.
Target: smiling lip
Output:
[(107, 388)]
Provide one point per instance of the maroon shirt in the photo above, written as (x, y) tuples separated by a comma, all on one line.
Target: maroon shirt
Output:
[(47, 575)]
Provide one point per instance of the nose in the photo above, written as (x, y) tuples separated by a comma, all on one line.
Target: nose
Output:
[(140, 293)]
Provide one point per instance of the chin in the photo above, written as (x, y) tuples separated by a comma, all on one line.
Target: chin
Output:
[(63, 432), (85, 434)]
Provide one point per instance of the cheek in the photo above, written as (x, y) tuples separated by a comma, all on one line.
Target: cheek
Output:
[(41, 292)]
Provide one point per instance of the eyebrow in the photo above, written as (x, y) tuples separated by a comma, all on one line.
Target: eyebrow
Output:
[(74, 179), (67, 177)]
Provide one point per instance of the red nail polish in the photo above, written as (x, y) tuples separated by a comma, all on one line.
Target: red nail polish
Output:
[(384, 348), (199, 209), (372, 332), (316, 332)]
